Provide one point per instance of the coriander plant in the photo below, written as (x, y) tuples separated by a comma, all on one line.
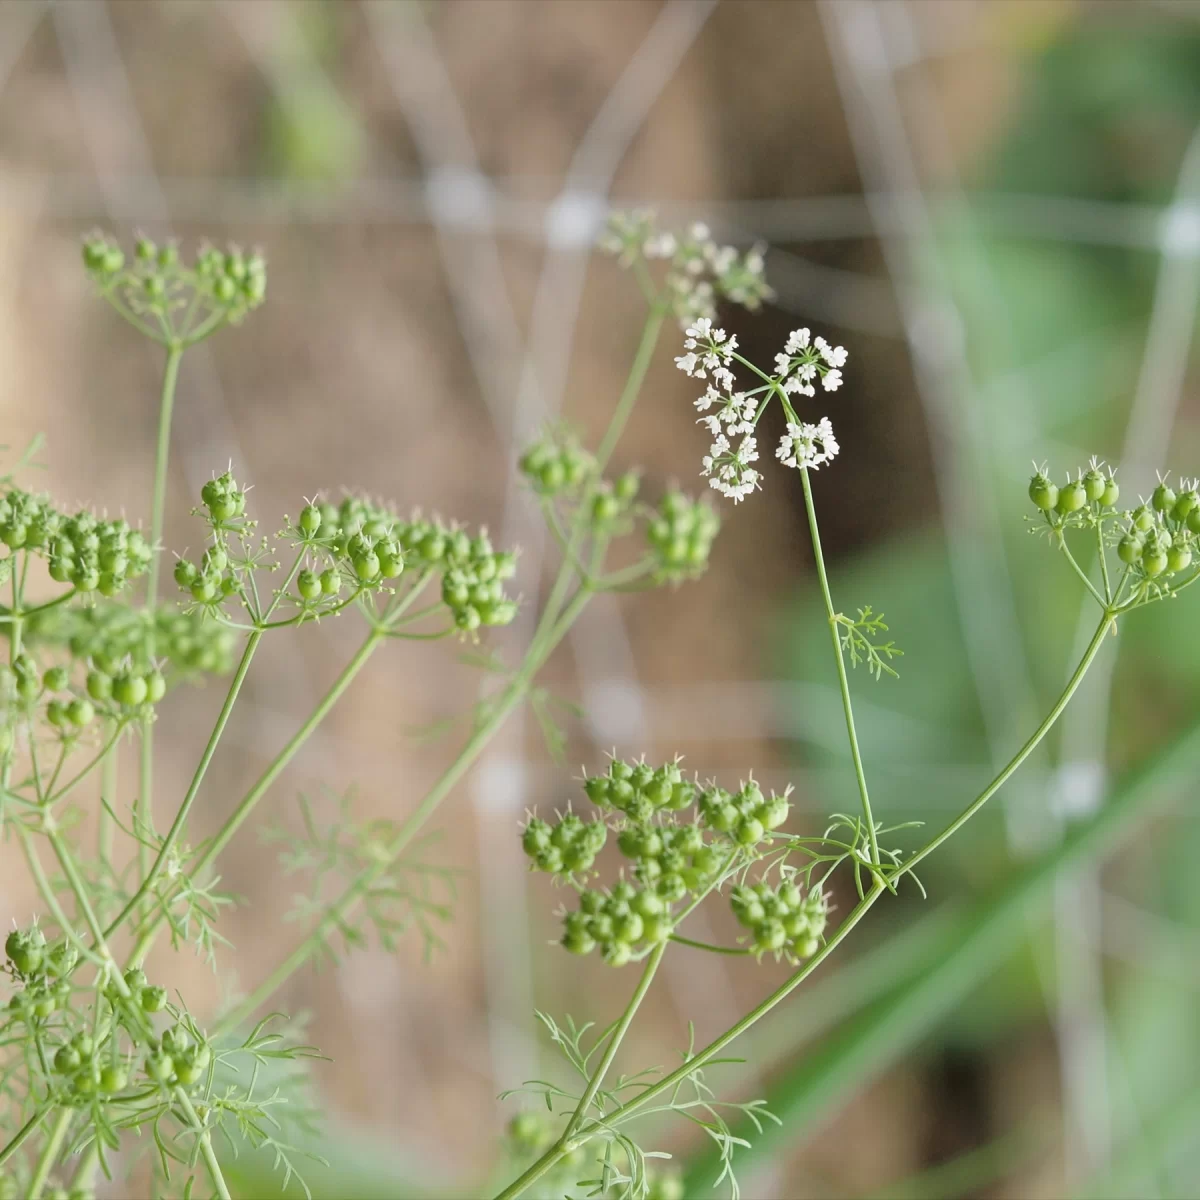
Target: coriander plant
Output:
[(103, 1071)]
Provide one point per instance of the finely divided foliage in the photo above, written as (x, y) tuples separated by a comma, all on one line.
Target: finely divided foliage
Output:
[(104, 1071)]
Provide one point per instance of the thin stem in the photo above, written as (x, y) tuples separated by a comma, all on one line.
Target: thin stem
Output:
[(614, 1042), (49, 1154), (1108, 592), (843, 680), (194, 787), (336, 912), (625, 1111), (19, 1137), (205, 1142), (161, 459), (1062, 541), (633, 385), (1026, 750), (686, 941)]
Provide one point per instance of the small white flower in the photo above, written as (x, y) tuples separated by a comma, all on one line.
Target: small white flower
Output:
[(832, 380), (661, 245), (689, 364), (700, 329), (807, 446), (699, 232), (835, 356), (712, 424), (723, 378), (797, 341), (711, 396), (797, 386), (783, 363)]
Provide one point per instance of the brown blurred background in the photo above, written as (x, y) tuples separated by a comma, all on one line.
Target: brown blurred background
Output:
[(988, 202)]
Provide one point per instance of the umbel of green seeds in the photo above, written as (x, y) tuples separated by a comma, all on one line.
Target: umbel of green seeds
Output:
[(784, 921), (92, 554), (556, 464), (681, 535), (568, 847)]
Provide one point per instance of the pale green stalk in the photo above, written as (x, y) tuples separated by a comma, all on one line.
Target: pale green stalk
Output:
[(18, 1139), (614, 1041), (1026, 750), (197, 778), (843, 680), (206, 1149), (158, 504), (341, 907), (371, 643), (49, 1155), (624, 1111)]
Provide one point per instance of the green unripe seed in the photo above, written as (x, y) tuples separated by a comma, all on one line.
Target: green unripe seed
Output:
[(129, 689), (749, 831), (80, 713), (113, 1080), (308, 584), (153, 999), (56, 679), (1129, 549), (1094, 484), (1179, 558), (1154, 562), (1143, 519), (1112, 493), (1163, 498), (1043, 493), (1071, 498), (310, 519), (331, 581)]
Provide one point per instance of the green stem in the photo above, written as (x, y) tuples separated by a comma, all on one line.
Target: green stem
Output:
[(614, 1042), (633, 385), (49, 1154), (544, 642), (237, 818), (161, 459), (843, 680), (158, 504), (197, 778), (687, 941), (560, 1149), (205, 1142), (1026, 750), (19, 1137)]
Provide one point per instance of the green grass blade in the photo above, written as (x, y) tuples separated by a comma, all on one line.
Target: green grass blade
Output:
[(946, 969)]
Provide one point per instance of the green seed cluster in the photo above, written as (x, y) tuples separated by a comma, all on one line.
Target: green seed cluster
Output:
[(568, 847), (42, 970), (785, 920), (746, 815), (1093, 489), (681, 535), (1161, 536), (673, 854), (612, 501), (368, 545), (640, 791), (86, 551), (69, 711), (620, 922), (220, 284), (556, 464), (89, 1061), (114, 636)]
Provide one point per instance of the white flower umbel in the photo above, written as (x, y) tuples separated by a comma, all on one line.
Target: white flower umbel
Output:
[(807, 446), (801, 362), (708, 349), (729, 470)]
